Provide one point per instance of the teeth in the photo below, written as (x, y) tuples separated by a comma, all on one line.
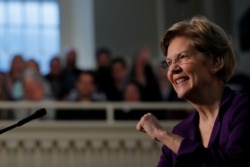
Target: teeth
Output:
[(180, 80)]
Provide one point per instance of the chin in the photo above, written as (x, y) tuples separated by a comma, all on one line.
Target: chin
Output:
[(182, 94)]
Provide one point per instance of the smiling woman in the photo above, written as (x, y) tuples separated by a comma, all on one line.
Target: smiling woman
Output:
[(199, 62)]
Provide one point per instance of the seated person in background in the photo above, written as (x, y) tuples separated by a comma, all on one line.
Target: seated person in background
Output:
[(132, 94), (142, 71), (85, 92), (30, 65), (33, 85), (4, 113), (103, 70), (14, 75), (55, 78), (70, 71), (120, 78)]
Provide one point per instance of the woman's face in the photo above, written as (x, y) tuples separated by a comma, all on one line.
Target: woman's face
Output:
[(189, 72)]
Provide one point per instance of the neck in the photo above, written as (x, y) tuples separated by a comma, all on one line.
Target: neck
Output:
[(208, 102)]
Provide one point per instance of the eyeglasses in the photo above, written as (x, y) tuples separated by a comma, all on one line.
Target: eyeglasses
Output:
[(182, 58)]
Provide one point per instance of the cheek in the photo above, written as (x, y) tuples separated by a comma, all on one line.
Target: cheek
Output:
[(168, 75), (202, 74), (195, 68)]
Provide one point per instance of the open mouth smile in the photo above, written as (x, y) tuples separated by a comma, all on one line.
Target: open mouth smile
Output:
[(180, 80)]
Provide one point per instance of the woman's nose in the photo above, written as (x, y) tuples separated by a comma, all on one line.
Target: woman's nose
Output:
[(175, 68)]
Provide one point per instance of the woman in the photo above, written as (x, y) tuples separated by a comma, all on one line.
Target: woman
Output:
[(199, 62)]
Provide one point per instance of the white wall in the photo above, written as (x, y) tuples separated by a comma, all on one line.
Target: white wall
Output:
[(125, 26)]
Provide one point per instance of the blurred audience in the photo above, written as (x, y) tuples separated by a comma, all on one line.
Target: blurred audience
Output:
[(132, 94), (103, 69), (33, 86), (4, 113), (85, 92), (112, 80), (143, 73), (70, 71), (18, 89), (32, 64), (3, 93), (55, 78), (120, 77), (34, 89), (14, 76)]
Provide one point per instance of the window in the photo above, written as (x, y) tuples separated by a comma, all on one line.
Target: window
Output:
[(30, 28)]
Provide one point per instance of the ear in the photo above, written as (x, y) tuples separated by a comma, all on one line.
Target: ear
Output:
[(217, 64)]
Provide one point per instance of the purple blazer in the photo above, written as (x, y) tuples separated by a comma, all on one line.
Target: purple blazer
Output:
[(229, 145)]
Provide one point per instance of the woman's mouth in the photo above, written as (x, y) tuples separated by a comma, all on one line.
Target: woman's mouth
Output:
[(180, 80)]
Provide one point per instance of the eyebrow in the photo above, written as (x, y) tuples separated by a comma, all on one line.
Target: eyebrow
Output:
[(185, 51)]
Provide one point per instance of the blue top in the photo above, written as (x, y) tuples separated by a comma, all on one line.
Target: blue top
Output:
[(229, 144)]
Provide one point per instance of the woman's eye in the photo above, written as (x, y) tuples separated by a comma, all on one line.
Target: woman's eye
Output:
[(183, 56), (168, 62)]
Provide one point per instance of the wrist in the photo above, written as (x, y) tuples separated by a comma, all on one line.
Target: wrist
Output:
[(161, 134)]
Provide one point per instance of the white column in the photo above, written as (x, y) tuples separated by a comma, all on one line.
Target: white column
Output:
[(77, 30)]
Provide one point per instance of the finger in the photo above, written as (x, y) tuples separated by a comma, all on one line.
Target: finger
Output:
[(139, 126)]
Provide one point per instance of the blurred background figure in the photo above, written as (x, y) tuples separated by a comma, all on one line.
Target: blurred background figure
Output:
[(85, 92), (34, 89), (33, 86), (103, 69), (119, 73), (143, 73), (55, 78), (70, 71), (132, 94), (32, 64), (4, 113), (18, 88), (3, 93), (14, 76)]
